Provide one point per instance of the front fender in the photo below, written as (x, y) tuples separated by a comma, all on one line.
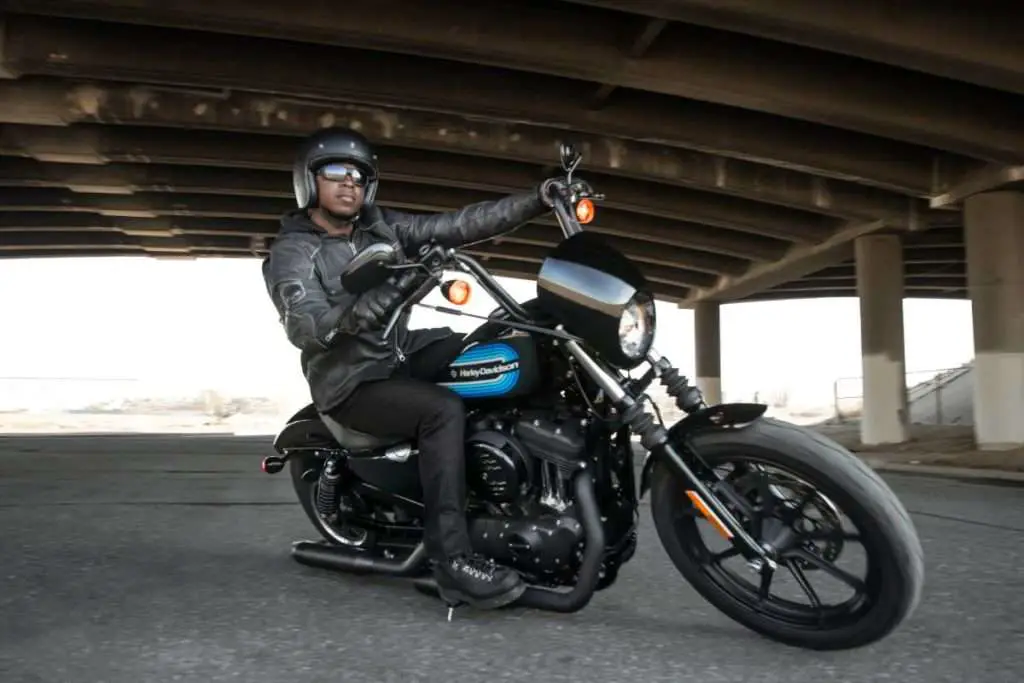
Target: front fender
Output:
[(722, 416)]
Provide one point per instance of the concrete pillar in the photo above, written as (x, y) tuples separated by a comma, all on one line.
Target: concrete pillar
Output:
[(880, 287), (994, 236), (708, 347)]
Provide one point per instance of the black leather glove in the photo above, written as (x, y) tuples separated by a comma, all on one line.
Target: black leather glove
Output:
[(375, 307), (550, 187)]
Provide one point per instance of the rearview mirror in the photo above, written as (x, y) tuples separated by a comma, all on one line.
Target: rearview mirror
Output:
[(569, 156), (369, 268)]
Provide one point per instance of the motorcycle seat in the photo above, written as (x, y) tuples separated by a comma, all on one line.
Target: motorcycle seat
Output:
[(355, 440)]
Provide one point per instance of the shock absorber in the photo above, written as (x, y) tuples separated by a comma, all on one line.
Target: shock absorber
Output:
[(327, 492)]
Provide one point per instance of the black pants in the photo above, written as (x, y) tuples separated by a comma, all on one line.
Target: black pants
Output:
[(410, 405)]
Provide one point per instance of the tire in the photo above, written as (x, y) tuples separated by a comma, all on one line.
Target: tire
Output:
[(887, 532)]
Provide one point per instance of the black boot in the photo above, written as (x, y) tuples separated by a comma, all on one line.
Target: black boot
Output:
[(478, 582)]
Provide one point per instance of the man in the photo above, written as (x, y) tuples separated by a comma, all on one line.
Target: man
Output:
[(377, 387)]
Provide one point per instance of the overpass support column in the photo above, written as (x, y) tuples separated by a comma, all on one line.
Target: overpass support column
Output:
[(994, 237), (707, 330), (880, 287)]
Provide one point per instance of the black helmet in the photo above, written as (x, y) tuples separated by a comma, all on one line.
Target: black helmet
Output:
[(329, 145)]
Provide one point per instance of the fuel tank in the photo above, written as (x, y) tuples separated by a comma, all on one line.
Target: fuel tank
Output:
[(501, 368)]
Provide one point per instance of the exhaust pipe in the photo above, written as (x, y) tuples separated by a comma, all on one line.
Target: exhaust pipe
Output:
[(325, 556), (590, 569)]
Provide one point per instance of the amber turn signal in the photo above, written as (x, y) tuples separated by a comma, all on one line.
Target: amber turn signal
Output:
[(585, 210), (456, 291)]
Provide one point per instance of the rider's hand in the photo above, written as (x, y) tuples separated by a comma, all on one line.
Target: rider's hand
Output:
[(551, 187), (409, 280), (376, 305)]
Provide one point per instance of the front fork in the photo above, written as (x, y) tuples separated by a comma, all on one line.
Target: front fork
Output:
[(655, 439)]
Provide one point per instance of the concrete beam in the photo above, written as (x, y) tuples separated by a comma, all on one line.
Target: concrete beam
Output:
[(694, 62), (938, 237), (931, 281), (990, 178), (690, 267), (799, 262), (69, 102), (519, 262), (750, 248), (213, 151), (103, 51), (909, 293), (933, 255), (127, 179), (848, 271), (4, 72), (951, 40)]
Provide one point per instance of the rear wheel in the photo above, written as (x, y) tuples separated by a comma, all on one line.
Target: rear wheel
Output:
[(815, 503)]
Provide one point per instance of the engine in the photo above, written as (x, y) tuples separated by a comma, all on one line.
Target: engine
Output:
[(515, 472)]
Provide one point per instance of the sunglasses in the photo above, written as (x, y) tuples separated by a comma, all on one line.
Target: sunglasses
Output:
[(339, 172)]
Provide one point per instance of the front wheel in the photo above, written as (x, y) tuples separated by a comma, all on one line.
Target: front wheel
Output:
[(793, 487)]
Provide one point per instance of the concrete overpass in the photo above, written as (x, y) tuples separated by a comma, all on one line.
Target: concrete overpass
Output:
[(750, 151)]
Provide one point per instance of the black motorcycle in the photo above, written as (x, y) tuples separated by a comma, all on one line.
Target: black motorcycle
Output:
[(552, 412)]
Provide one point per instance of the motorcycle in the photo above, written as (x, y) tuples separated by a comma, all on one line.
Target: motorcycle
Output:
[(552, 412)]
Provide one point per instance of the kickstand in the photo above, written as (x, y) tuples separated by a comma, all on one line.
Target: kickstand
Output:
[(451, 609)]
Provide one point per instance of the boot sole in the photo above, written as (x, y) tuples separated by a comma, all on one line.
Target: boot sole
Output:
[(454, 597)]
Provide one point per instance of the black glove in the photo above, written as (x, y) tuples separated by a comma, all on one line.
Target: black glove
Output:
[(375, 307), (550, 187)]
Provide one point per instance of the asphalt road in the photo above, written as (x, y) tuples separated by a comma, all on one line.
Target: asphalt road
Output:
[(127, 559)]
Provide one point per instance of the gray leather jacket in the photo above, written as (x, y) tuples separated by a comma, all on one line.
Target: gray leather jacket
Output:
[(335, 330)]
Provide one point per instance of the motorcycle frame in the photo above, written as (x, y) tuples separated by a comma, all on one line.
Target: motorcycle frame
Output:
[(660, 443)]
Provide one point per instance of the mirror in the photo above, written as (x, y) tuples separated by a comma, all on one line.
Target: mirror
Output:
[(369, 268), (569, 156)]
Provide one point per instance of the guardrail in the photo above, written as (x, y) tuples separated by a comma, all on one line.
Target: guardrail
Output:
[(928, 382)]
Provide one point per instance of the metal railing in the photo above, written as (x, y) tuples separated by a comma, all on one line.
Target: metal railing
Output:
[(919, 385)]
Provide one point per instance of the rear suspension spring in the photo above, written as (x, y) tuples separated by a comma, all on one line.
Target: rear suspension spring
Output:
[(327, 491)]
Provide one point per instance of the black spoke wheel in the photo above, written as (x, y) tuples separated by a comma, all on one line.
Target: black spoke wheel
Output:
[(805, 545), (793, 491)]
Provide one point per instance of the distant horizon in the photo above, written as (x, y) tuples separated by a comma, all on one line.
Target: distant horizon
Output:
[(179, 327)]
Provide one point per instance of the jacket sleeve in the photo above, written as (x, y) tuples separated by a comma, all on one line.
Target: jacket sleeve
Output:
[(474, 223), (309, 320)]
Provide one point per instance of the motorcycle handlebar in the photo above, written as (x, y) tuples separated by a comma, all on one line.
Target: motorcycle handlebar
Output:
[(435, 257)]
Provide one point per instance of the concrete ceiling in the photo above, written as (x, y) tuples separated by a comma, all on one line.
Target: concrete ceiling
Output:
[(742, 145)]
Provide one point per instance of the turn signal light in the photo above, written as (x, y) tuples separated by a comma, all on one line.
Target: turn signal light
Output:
[(456, 291), (585, 210), (272, 464)]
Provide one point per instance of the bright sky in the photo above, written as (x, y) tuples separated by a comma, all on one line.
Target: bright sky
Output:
[(179, 327)]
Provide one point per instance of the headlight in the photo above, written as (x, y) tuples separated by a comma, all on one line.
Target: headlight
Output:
[(636, 327)]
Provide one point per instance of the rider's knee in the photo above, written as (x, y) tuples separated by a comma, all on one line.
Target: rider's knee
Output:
[(449, 406)]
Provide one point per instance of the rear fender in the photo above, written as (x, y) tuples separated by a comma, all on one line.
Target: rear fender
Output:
[(712, 418), (305, 431)]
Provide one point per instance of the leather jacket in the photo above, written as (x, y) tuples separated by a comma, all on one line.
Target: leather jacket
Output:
[(338, 333)]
